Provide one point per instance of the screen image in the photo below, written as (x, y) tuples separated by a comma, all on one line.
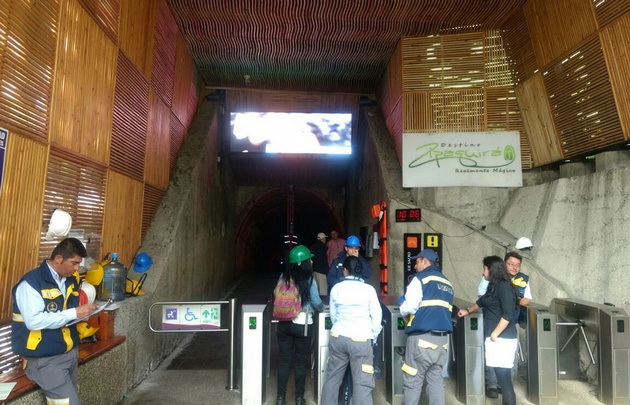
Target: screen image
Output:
[(271, 132)]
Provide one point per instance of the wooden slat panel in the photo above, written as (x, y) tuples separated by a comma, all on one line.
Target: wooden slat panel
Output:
[(151, 202), (582, 101), (84, 83), (608, 11), (165, 44), (183, 79), (497, 69), (615, 40), (444, 62), (158, 143), (442, 111), (282, 101), (503, 114), (21, 201), (557, 26), (75, 184), (137, 20), (394, 124), (129, 128), (27, 57), (178, 134), (122, 225), (105, 13), (390, 87), (538, 121), (518, 47)]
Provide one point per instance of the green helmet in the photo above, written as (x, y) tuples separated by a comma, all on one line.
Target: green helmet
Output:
[(299, 253)]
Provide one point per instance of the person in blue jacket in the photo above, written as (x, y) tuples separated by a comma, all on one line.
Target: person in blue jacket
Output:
[(426, 308), (45, 302)]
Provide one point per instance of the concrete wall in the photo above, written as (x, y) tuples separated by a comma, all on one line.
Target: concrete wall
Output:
[(191, 242)]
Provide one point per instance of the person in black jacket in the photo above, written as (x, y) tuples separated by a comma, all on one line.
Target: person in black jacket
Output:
[(499, 305)]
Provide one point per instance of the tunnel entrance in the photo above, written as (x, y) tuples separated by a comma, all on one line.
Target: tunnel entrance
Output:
[(265, 221)]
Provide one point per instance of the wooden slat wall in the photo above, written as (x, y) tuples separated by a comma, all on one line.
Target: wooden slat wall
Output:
[(390, 87), (442, 111), (75, 184), (615, 40), (129, 129), (58, 78), (503, 114), (164, 47), (178, 134), (150, 203), (105, 13), (496, 64), (394, 124), (84, 85), (122, 222), (181, 85), (609, 10), (518, 46), (27, 57), (582, 102), (538, 121), (137, 21), (557, 26), (21, 201), (158, 144)]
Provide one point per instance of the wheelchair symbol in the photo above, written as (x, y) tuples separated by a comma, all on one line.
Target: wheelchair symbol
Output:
[(190, 316)]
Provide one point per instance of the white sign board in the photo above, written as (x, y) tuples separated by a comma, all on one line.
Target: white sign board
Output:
[(191, 316), (454, 159)]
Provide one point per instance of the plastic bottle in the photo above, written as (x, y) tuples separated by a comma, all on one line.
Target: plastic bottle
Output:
[(114, 280)]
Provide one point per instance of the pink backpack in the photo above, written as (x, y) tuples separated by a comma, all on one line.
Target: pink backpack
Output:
[(287, 303)]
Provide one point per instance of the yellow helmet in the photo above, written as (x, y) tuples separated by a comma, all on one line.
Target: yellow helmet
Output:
[(85, 330)]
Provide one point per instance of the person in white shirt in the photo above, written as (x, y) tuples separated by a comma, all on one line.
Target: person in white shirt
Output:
[(356, 315)]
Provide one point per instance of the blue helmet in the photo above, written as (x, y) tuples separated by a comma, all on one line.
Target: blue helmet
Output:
[(353, 241), (142, 263)]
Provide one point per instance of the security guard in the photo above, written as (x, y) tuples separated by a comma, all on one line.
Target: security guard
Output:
[(427, 308), (45, 300)]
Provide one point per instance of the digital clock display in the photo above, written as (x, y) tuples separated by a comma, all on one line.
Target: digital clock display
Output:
[(408, 215)]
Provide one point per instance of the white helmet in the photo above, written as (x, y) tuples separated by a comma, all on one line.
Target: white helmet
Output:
[(523, 243), (59, 225)]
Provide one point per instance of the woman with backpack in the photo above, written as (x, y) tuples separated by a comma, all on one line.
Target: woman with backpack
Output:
[(295, 298)]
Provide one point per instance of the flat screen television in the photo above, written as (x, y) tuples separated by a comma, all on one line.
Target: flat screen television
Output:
[(306, 133)]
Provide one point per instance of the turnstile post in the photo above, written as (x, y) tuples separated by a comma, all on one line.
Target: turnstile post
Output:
[(542, 356)]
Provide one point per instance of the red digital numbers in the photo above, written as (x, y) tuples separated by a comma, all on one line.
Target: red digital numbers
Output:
[(408, 215)]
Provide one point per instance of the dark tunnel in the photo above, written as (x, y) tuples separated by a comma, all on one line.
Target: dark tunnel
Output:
[(266, 220)]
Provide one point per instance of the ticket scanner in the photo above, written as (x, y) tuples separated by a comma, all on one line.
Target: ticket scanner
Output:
[(255, 328), (394, 346), (469, 355), (610, 327), (542, 356)]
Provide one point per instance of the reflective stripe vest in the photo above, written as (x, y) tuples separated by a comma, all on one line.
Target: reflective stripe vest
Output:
[(520, 282), (45, 342), (434, 311)]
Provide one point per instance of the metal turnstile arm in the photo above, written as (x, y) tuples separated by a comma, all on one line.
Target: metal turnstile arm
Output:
[(579, 326)]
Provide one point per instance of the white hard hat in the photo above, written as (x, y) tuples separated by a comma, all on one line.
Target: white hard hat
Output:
[(59, 225), (89, 291), (523, 243)]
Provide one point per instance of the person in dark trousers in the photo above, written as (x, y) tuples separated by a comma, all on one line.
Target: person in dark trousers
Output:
[(426, 308), (499, 305), (45, 302), (296, 336), (320, 263)]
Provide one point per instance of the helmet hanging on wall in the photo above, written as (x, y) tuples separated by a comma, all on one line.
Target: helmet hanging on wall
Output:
[(523, 243)]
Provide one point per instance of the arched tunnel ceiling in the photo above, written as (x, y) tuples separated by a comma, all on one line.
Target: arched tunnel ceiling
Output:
[(322, 46), (265, 220)]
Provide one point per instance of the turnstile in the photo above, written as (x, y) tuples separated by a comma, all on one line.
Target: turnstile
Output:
[(469, 355), (321, 332), (255, 323), (610, 325), (394, 346), (542, 356)]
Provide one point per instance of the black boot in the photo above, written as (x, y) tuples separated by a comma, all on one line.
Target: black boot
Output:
[(280, 401), (300, 401)]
